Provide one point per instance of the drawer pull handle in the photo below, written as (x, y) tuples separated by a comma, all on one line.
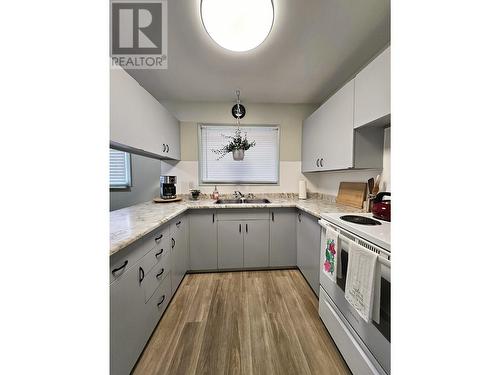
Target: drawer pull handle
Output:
[(157, 239), (160, 273), (300, 218), (159, 253), (317, 162), (168, 148), (162, 300), (141, 275), (321, 162), (120, 268), (173, 243), (272, 216), (213, 218), (240, 228), (246, 228), (178, 223)]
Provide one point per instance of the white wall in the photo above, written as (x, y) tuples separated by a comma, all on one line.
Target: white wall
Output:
[(145, 183), (288, 116)]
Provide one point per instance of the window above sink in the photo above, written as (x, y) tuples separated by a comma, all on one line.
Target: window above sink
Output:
[(260, 164)]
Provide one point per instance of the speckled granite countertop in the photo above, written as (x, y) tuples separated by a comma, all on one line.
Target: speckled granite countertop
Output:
[(131, 223)]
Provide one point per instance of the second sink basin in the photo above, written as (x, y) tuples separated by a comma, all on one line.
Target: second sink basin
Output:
[(242, 201)]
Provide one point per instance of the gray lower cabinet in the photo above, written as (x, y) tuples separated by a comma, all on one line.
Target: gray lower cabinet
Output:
[(128, 321), (202, 240), (179, 244), (256, 243), (230, 246), (283, 238), (308, 248), (243, 244)]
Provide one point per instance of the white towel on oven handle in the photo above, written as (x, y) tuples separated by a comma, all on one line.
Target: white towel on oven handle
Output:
[(331, 255), (360, 283)]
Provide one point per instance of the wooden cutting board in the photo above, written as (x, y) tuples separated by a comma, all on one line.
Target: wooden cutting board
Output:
[(352, 194), (161, 200)]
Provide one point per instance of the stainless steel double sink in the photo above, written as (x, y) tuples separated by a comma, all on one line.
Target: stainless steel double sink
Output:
[(242, 201)]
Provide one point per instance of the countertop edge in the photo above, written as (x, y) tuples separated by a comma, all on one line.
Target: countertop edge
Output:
[(117, 247)]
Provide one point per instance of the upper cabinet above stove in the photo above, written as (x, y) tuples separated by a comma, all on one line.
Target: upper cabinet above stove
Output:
[(372, 92), (346, 131), (139, 123)]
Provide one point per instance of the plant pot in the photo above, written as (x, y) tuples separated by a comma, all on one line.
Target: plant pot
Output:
[(238, 154)]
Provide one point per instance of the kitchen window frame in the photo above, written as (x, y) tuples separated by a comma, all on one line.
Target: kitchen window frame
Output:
[(239, 183)]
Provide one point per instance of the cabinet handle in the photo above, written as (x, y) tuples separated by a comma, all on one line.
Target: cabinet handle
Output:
[(240, 228), (157, 239), (119, 268), (164, 148), (213, 218), (168, 148), (321, 162), (178, 223), (173, 243), (300, 218), (141, 275), (317, 162), (272, 216), (162, 300), (160, 273), (246, 228), (159, 253)]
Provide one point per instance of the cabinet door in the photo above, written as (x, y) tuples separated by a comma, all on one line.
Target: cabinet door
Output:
[(372, 98), (301, 243), (179, 252), (230, 244), (128, 321), (310, 152), (283, 238), (125, 118), (139, 121), (308, 249), (202, 240), (336, 129), (256, 243)]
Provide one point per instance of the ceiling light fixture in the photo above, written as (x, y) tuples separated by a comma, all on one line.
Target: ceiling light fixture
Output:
[(237, 25)]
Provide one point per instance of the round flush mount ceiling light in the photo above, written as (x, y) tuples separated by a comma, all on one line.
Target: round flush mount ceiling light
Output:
[(238, 25)]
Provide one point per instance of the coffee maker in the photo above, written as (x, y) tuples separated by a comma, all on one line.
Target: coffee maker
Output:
[(167, 187)]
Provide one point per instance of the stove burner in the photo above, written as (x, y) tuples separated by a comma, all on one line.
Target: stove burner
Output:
[(360, 220)]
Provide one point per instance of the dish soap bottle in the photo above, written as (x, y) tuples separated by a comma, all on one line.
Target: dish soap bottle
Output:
[(215, 194)]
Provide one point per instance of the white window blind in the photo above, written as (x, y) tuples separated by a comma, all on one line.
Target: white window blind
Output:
[(259, 166), (119, 169)]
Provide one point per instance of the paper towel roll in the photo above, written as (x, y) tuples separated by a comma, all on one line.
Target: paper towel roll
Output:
[(302, 190)]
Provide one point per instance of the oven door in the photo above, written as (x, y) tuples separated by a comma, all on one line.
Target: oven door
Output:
[(375, 335)]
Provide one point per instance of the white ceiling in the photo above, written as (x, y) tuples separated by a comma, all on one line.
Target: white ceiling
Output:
[(314, 47)]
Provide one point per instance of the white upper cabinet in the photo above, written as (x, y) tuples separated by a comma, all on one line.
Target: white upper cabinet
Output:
[(334, 136), (139, 122), (327, 135), (372, 93)]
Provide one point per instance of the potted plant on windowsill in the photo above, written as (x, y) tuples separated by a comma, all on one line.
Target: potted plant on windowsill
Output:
[(237, 145)]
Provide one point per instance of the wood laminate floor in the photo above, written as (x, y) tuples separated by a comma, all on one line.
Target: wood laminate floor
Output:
[(258, 322)]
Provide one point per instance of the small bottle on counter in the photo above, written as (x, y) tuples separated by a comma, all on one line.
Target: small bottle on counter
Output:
[(215, 194)]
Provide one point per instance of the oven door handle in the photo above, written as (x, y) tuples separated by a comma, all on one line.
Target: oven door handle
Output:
[(377, 285)]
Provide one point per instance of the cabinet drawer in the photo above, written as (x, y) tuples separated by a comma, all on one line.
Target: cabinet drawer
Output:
[(155, 277), (159, 238), (178, 224), (125, 259), (243, 214), (160, 299)]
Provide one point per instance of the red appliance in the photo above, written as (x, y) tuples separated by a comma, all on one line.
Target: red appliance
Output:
[(381, 208)]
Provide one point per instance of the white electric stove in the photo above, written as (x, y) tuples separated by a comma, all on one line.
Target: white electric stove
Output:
[(379, 234), (365, 346)]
